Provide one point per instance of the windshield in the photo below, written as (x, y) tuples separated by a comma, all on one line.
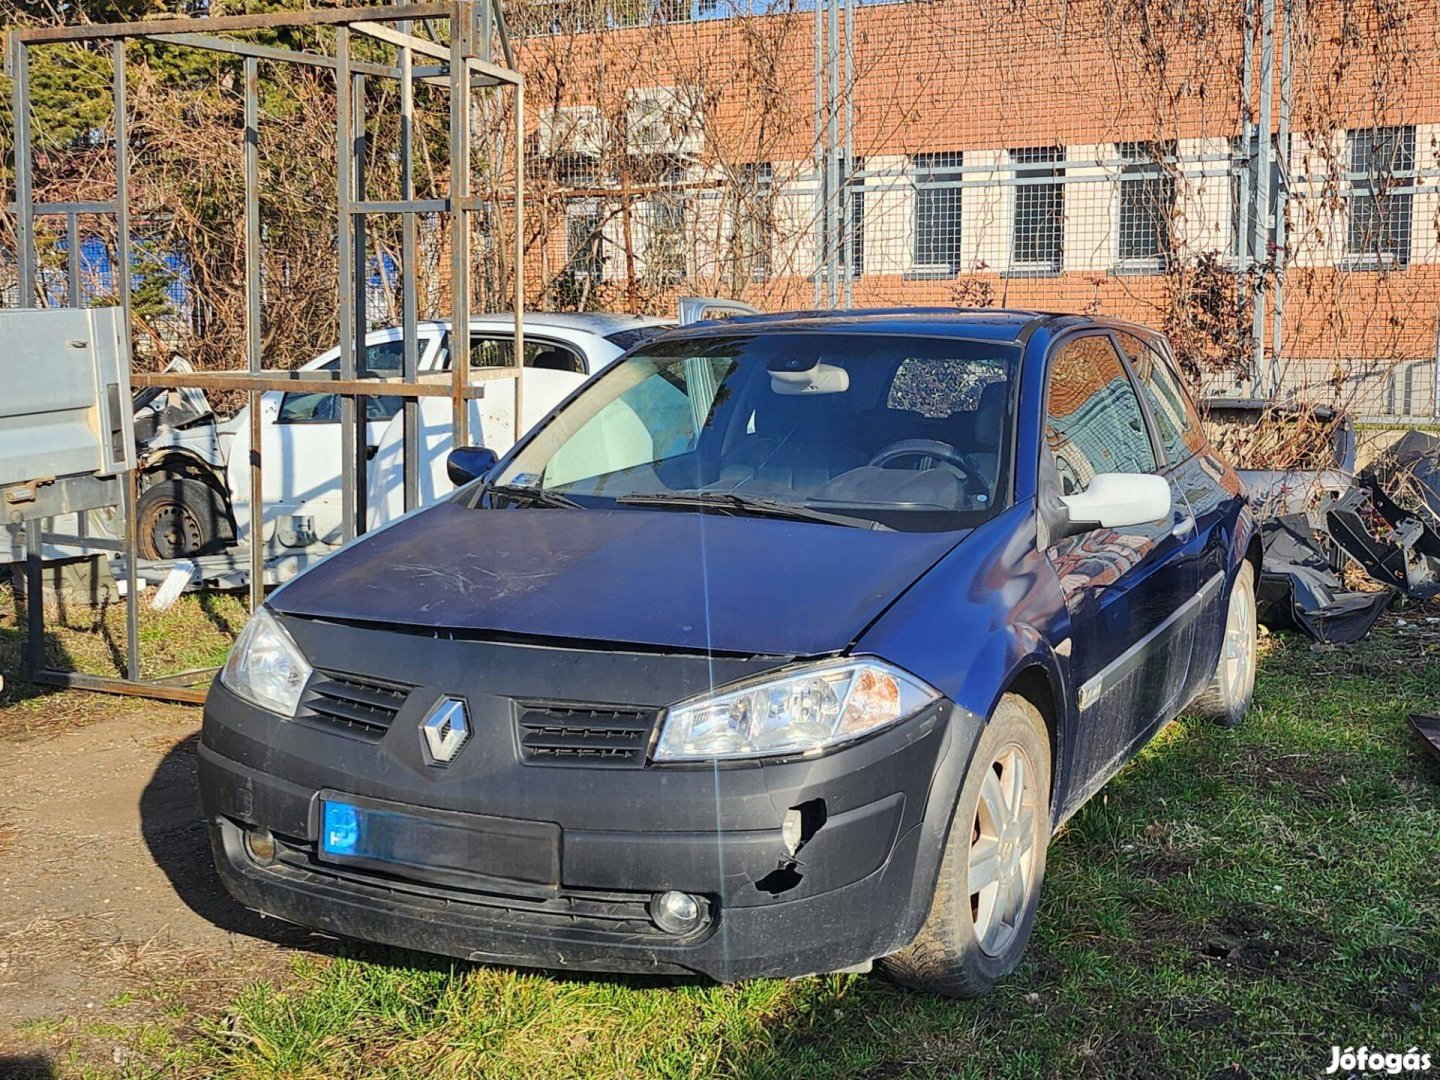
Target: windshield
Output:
[(908, 432)]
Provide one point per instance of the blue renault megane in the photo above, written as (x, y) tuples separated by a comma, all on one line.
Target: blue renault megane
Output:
[(783, 646)]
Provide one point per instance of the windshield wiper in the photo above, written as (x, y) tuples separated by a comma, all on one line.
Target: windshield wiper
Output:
[(539, 496), (746, 504)]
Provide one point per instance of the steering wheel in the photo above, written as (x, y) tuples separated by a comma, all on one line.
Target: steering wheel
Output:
[(931, 448)]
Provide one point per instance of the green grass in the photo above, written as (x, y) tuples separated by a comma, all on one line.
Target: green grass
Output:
[(1233, 903)]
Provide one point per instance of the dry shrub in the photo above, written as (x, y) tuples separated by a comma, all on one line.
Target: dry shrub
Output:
[(1281, 437)]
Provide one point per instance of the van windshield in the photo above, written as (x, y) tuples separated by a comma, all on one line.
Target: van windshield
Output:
[(901, 431)]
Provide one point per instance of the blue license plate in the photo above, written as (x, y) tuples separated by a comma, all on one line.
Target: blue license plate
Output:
[(342, 828)]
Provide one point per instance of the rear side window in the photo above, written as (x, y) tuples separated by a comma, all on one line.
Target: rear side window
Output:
[(1093, 421), (384, 358), (1176, 421)]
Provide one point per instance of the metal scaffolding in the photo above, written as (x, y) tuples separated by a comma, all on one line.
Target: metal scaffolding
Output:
[(457, 41)]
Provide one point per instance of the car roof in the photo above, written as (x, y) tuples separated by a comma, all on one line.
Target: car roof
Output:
[(595, 322), (988, 324)]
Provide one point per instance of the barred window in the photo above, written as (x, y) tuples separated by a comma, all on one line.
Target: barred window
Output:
[(1382, 166), (755, 220), (1147, 203), (665, 262), (584, 243), (937, 211), (1038, 226)]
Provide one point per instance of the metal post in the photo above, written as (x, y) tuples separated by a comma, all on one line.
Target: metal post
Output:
[(253, 326), (519, 354), (821, 156), (834, 205), (24, 166), (1242, 229), (848, 207), (356, 432), (1264, 156), (459, 226), (34, 601), (408, 285), (1281, 196), (345, 250), (128, 480), (72, 259)]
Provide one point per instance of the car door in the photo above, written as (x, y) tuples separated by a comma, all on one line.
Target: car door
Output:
[(1210, 487), (301, 448), (1126, 589)]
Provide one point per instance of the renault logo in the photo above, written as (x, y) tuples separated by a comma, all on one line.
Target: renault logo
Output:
[(445, 729)]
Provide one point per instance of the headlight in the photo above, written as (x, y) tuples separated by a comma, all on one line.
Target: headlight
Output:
[(265, 667), (800, 712)]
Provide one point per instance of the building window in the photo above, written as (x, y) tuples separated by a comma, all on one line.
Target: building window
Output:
[(937, 212), (1147, 205), (1381, 196), (1037, 233), (755, 221), (665, 262), (584, 239)]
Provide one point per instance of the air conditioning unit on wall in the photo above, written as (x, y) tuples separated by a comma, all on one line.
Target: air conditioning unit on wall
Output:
[(665, 121), (577, 130)]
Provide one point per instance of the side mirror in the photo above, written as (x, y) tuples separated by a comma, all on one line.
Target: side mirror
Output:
[(467, 463), (1115, 500)]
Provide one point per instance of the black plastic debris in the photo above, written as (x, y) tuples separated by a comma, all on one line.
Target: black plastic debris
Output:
[(1300, 586), (1396, 548), (1413, 464), (1428, 728)]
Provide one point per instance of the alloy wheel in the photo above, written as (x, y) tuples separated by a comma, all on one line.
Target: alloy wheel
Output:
[(1003, 849), (1239, 648)]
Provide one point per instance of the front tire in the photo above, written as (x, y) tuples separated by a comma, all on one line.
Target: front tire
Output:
[(1227, 699), (179, 518), (989, 884)]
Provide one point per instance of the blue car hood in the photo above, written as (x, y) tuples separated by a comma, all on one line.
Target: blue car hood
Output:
[(688, 581)]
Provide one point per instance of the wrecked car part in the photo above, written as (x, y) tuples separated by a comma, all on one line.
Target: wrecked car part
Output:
[(1406, 554), (1300, 588), (1413, 465), (1428, 728)]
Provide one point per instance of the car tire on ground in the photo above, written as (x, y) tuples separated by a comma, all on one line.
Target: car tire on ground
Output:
[(989, 884), (1227, 699), (178, 518)]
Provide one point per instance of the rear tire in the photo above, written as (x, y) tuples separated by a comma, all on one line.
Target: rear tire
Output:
[(179, 518), (1227, 699), (989, 884)]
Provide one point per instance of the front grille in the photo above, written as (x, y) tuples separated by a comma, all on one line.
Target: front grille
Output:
[(570, 734), (359, 704)]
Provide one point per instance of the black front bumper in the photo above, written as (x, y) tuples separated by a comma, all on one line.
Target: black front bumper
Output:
[(859, 888)]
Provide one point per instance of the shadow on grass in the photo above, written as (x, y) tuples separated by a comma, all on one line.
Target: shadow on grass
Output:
[(28, 1067)]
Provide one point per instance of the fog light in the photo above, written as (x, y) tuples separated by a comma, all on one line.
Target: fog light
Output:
[(260, 846), (676, 912)]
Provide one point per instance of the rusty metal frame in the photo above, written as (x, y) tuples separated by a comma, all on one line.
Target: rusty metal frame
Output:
[(463, 64)]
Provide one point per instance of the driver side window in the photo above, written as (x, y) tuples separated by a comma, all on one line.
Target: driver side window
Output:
[(1093, 423)]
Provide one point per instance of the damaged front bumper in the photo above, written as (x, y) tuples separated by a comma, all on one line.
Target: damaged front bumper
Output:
[(570, 851)]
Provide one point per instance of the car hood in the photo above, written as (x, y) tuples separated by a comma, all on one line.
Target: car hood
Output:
[(672, 579)]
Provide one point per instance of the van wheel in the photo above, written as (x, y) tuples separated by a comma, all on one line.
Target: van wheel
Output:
[(178, 518), (1227, 699), (989, 885)]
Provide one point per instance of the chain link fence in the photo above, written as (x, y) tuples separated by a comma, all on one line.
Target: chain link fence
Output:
[(1258, 178)]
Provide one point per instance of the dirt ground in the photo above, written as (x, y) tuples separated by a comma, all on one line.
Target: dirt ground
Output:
[(118, 793)]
